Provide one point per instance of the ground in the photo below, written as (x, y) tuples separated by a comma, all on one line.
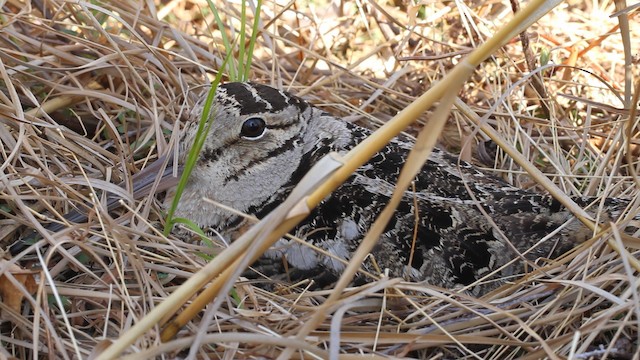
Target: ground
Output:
[(94, 92)]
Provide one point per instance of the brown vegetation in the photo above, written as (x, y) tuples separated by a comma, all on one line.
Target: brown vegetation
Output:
[(93, 92)]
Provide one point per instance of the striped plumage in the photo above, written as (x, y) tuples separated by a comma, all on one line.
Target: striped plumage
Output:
[(262, 141)]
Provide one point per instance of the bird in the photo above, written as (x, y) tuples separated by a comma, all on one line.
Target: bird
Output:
[(455, 226)]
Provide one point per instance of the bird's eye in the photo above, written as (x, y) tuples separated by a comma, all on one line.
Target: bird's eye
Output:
[(253, 128)]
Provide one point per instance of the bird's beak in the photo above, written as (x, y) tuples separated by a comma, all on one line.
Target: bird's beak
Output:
[(159, 176)]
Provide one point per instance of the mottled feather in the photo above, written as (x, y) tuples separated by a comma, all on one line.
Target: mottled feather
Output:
[(467, 223)]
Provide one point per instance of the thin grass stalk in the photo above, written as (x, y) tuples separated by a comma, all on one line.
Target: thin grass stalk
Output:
[(252, 41), (231, 66), (623, 20), (241, 55)]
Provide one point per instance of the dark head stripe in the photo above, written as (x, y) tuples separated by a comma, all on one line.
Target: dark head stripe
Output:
[(255, 98), (286, 146)]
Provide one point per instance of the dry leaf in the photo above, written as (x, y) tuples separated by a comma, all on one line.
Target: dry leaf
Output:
[(12, 296)]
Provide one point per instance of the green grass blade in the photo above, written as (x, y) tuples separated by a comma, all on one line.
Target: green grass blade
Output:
[(241, 49), (252, 40), (231, 70), (203, 130)]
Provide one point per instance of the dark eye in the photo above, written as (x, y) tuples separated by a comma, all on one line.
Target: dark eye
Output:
[(253, 128)]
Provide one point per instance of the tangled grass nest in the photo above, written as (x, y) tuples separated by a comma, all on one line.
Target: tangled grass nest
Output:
[(93, 92)]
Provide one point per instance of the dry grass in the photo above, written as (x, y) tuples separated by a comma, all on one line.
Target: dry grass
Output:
[(92, 93)]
